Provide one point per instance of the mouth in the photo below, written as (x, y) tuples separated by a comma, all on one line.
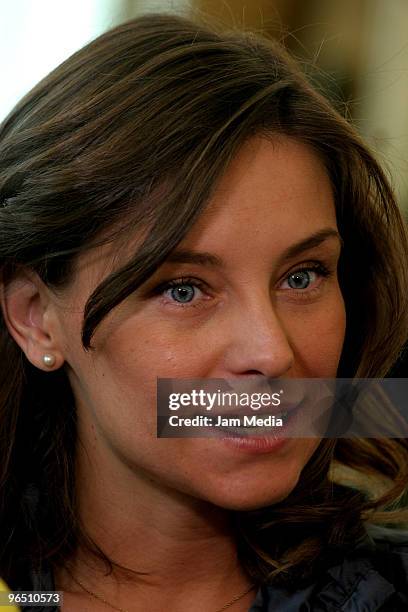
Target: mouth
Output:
[(252, 412), (271, 428)]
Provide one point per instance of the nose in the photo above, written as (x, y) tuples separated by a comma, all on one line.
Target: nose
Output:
[(258, 342)]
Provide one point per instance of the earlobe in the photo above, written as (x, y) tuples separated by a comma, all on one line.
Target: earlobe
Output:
[(25, 304)]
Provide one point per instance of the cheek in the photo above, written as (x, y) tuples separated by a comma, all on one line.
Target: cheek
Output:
[(130, 355), (318, 336), (126, 367), (145, 347), (136, 352)]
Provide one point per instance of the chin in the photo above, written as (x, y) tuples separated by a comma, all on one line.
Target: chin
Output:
[(244, 500)]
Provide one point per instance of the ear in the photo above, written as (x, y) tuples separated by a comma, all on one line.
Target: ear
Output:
[(28, 313)]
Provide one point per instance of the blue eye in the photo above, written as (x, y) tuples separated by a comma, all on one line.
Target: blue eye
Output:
[(182, 293), (301, 279)]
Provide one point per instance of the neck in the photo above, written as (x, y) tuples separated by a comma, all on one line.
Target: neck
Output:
[(177, 547)]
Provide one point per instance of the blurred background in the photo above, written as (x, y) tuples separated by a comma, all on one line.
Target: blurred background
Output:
[(355, 50)]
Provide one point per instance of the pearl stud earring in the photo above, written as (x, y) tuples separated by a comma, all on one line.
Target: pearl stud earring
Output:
[(48, 360)]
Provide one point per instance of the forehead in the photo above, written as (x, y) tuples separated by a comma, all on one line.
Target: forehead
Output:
[(274, 186), (277, 169), (275, 191)]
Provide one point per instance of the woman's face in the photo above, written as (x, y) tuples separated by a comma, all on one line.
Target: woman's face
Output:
[(241, 316)]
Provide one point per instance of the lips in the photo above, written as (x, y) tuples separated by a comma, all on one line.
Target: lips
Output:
[(260, 432), (287, 416), (283, 410)]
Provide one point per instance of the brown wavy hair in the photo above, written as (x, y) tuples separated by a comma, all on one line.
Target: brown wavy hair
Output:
[(133, 131)]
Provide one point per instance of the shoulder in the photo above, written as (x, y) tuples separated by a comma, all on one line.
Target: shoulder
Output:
[(372, 577)]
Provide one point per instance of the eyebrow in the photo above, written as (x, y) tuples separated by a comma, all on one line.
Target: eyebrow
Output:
[(310, 242), (209, 259)]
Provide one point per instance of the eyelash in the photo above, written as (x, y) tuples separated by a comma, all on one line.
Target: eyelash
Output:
[(317, 267)]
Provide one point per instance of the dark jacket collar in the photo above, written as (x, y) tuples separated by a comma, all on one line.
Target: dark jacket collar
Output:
[(371, 578)]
